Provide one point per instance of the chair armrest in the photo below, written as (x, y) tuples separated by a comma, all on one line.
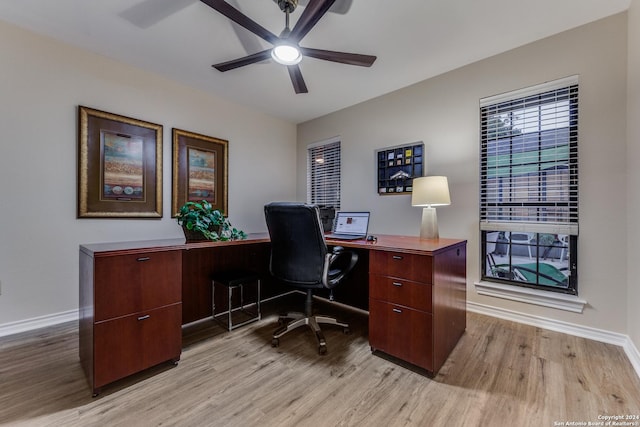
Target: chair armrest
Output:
[(337, 265)]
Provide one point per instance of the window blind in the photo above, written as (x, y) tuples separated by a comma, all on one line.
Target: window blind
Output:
[(323, 174), (529, 159)]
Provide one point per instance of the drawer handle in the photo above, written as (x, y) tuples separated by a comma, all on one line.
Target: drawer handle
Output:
[(397, 310), (145, 317), (398, 284), (144, 258), (397, 257)]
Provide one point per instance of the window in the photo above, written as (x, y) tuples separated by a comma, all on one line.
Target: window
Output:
[(323, 174), (529, 187)]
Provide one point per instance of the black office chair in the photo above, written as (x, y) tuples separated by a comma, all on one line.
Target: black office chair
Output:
[(300, 258)]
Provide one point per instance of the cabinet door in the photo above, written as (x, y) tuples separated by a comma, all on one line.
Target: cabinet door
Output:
[(127, 284), (162, 338), (401, 332), (129, 344)]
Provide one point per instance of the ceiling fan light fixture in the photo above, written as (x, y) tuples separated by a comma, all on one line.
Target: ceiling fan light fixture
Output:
[(286, 54)]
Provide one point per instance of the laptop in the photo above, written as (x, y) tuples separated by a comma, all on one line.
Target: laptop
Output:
[(350, 226)]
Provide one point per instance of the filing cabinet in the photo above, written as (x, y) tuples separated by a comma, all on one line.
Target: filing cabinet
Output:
[(417, 304), (130, 311)]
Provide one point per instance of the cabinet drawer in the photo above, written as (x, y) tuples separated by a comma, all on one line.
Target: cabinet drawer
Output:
[(129, 344), (401, 332), (418, 268), (399, 291), (127, 284)]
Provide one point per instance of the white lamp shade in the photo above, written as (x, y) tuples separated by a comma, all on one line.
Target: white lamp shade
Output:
[(430, 191)]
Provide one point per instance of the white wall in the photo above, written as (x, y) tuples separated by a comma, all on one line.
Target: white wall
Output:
[(443, 112), (633, 167), (41, 84)]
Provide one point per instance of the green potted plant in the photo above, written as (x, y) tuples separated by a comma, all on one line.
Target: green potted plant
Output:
[(200, 221)]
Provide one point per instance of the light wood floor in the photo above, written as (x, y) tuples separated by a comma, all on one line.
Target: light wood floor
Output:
[(501, 373)]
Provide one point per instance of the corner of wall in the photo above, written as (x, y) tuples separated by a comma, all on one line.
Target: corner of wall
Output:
[(633, 173)]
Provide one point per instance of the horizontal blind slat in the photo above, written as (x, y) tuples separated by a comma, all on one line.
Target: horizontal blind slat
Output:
[(323, 174), (528, 166)]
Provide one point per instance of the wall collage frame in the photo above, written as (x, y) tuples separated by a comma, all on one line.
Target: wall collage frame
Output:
[(398, 166)]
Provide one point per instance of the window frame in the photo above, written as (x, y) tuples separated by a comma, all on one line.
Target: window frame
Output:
[(331, 174), (572, 285), (509, 103)]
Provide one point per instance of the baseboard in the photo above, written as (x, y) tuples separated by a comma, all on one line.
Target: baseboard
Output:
[(588, 332), (57, 318), (543, 322), (633, 354), (37, 322)]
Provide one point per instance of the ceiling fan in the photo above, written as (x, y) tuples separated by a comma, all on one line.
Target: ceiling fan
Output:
[(286, 49)]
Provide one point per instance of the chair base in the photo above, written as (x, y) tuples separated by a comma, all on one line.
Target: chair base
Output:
[(291, 321)]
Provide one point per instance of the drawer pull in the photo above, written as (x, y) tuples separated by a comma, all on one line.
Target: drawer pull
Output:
[(398, 284), (144, 258), (397, 310), (397, 257), (145, 317)]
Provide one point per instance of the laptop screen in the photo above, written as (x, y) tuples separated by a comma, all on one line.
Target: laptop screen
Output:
[(351, 223)]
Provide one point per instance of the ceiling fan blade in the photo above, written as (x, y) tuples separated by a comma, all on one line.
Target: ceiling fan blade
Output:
[(296, 78), (341, 57), (241, 62), (310, 17), (248, 40), (150, 12), (241, 19)]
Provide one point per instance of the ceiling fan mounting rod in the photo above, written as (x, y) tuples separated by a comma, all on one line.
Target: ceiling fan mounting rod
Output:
[(287, 6)]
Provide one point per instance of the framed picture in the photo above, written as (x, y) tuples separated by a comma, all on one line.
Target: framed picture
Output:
[(119, 166), (199, 170), (398, 166)]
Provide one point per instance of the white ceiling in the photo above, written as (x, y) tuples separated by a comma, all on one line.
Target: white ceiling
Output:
[(413, 40)]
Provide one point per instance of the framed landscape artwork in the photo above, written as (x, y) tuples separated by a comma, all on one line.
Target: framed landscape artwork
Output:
[(119, 166), (199, 170)]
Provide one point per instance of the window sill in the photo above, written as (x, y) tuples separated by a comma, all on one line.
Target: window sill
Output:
[(532, 296)]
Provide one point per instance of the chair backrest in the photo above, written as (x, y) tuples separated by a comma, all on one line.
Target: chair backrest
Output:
[(298, 248)]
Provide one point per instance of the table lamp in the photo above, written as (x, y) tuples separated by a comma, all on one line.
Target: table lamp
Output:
[(428, 192)]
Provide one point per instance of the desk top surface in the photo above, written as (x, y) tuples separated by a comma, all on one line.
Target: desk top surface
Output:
[(385, 242), (406, 244)]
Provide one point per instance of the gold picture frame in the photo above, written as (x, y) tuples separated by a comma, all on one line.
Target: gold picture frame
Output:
[(119, 166), (200, 170)]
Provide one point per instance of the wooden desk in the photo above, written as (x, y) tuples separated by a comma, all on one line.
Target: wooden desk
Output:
[(134, 296)]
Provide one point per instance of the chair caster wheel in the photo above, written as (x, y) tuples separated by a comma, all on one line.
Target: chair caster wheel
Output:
[(322, 350), (346, 331), (275, 342)]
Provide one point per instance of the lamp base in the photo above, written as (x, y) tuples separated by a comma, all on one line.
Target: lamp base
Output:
[(429, 227)]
